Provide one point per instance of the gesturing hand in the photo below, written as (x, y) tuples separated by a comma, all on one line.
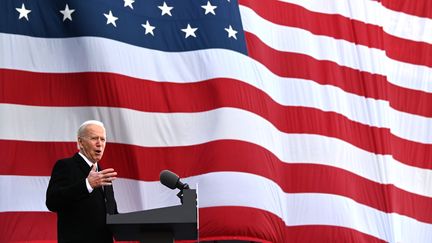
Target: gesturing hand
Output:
[(101, 178)]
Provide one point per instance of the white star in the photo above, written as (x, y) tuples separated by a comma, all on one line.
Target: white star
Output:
[(111, 19), (209, 8), (148, 28), (165, 9), (23, 12), (128, 3), (67, 13), (189, 31), (231, 32)]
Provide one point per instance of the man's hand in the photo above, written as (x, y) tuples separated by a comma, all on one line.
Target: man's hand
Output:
[(101, 178)]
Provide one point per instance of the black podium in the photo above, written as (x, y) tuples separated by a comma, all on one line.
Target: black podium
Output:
[(161, 225)]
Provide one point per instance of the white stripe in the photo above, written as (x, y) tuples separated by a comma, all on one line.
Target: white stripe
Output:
[(216, 63), (238, 189), (342, 52), (362, 10), (409, 76), (407, 26), (23, 193), (372, 12), (183, 129), (27, 193)]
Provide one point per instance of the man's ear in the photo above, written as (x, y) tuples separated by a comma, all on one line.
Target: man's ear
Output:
[(79, 141)]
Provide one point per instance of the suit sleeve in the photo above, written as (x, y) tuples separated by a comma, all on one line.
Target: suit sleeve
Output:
[(63, 188)]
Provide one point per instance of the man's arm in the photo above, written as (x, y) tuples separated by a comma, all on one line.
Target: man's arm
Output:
[(63, 188)]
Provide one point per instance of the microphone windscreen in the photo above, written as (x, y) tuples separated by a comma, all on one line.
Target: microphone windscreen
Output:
[(169, 179)]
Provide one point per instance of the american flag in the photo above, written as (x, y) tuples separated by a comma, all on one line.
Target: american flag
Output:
[(298, 121)]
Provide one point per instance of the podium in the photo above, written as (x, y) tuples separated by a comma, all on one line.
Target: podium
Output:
[(161, 225)]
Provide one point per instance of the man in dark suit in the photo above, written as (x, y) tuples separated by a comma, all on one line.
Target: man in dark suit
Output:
[(80, 192)]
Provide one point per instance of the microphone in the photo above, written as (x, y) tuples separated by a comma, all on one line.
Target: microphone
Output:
[(172, 180)]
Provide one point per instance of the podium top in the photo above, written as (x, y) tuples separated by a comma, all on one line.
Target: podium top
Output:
[(180, 221)]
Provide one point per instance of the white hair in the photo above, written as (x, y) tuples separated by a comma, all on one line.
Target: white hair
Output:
[(83, 126)]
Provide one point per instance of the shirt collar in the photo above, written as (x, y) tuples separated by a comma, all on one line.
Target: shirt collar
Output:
[(90, 164)]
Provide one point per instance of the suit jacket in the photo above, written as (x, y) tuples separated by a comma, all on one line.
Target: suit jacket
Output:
[(81, 216)]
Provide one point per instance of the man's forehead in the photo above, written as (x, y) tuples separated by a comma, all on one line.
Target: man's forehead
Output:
[(93, 128)]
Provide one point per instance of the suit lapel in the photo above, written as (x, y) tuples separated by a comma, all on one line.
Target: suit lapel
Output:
[(82, 164)]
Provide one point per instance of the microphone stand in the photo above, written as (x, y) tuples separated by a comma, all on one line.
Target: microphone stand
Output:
[(180, 194)]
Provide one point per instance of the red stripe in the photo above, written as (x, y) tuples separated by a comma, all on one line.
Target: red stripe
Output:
[(330, 234), (38, 158), (328, 73), (411, 101), (333, 25), (170, 97), (420, 8), (294, 65), (216, 223), (29, 227), (224, 221), (410, 153), (24, 226), (409, 51), (132, 162), (78, 89)]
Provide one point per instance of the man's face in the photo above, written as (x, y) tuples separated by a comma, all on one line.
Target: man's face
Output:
[(92, 142)]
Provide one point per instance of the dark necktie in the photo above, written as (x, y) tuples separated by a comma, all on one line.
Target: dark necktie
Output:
[(108, 194), (111, 205)]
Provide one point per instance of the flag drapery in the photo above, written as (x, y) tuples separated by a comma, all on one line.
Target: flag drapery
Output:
[(298, 121)]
